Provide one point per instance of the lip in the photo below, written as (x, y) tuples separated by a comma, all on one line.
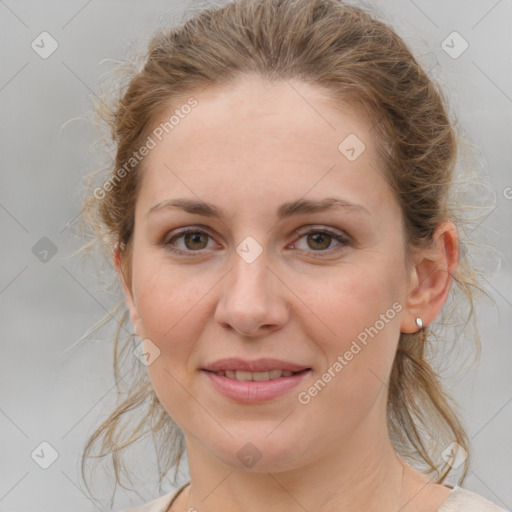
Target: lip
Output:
[(254, 392), (258, 365)]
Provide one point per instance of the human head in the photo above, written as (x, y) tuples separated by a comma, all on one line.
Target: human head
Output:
[(355, 60)]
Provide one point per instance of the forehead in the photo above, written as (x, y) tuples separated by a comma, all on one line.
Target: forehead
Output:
[(262, 139), (253, 108)]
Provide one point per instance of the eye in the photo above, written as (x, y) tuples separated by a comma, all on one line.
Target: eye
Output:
[(318, 240), (193, 240)]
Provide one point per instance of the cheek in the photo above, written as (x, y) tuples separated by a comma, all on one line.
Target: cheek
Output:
[(362, 306), (173, 315), (170, 305), (351, 299)]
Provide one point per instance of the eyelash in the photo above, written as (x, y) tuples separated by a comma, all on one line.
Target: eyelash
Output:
[(343, 240)]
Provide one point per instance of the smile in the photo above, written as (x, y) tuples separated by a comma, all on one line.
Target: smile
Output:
[(255, 387), (255, 376)]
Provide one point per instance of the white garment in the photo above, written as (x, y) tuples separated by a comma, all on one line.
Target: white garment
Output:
[(460, 500)]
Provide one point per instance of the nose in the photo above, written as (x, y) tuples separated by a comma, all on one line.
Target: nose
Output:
[(253, 300)]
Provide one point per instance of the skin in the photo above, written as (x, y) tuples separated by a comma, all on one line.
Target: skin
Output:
[(247, 149)]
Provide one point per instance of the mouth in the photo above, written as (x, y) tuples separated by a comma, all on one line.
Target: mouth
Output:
[(253, 392), (254, 382), (244, 376)]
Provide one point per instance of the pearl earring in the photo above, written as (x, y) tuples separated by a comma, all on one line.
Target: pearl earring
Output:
[(419, 323)]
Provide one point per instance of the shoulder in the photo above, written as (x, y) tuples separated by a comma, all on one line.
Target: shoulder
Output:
[(462, 500), (160, 504)]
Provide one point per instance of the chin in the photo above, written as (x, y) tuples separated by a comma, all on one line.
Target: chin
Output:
[(260, 453)]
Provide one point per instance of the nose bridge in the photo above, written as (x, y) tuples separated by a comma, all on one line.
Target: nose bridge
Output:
[(250, 298), (249, 273), (249, 277)]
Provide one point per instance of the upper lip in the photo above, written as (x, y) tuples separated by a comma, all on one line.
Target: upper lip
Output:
[(258, 365)]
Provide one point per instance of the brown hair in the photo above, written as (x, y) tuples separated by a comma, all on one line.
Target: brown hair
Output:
[(356, 58)]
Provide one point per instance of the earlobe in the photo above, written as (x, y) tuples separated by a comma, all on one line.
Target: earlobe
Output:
[(134, 316), (431, 278)]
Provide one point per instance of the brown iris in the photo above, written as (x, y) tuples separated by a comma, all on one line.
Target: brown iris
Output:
[(323, 239)]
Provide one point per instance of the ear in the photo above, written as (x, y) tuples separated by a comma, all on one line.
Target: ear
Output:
[(117, 259), (431, 278)]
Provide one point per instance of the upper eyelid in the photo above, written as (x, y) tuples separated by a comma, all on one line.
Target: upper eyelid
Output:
[(299, 231), (316, 227)]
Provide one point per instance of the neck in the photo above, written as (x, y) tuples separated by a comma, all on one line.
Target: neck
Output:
[(362, 474)]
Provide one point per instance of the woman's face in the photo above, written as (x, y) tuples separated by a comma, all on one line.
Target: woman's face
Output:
[(271, 283)]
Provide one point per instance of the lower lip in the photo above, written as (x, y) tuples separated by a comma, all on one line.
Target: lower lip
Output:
[(253, 392)]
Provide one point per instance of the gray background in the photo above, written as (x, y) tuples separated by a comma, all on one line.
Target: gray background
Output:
[(47, 394)]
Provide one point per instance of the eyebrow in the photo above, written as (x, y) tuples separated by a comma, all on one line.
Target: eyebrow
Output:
[(286, 210)]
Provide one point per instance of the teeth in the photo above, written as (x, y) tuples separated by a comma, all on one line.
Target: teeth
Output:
[(261, 376), (243, 375), (254, 376)]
